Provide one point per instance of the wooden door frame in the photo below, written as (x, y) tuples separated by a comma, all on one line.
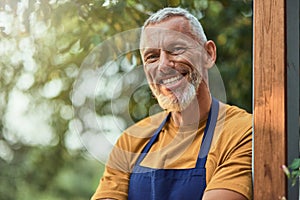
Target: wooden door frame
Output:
[(276, 96)]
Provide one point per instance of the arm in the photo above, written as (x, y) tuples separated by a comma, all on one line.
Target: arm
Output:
[(114, 182), (225, 194), (113, 185), (232, 177)]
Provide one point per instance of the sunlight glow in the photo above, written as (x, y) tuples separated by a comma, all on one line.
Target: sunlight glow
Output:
[(25, 81), (5, 152), (27, 123), (52, 89)]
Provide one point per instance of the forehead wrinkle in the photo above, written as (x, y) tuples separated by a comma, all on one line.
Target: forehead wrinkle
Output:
[(163, 38), (152, 38), (175, 23)]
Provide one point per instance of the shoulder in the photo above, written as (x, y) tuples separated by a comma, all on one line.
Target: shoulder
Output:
[(233, 129), (235, 112), (235, 119), (135, 137), (229, 161), (132, 141)]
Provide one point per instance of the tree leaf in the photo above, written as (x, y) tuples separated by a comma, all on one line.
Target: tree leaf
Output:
[(295, 164)]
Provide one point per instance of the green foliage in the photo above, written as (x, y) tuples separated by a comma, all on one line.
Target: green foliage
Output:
[(43, 47), (295, 171)]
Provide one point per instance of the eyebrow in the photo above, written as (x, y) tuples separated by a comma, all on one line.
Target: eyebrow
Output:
[(146, 51)]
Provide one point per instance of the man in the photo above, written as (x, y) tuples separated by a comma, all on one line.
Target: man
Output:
[(198, 148)]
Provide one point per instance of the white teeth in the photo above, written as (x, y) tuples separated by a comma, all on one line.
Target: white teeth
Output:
[(170, 80)]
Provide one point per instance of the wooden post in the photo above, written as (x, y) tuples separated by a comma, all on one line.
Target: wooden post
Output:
[(273, 76), (269, 99)]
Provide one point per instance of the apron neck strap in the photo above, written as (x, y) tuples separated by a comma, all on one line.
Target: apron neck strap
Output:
[(208, 132), (209, 129), (156, 133)]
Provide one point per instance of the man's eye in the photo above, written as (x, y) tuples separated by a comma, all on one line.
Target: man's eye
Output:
[(151, 58), (177, 50)]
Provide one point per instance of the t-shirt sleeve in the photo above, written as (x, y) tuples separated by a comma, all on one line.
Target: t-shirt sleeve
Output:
[(113, 184), (115, 180), (234, 169)]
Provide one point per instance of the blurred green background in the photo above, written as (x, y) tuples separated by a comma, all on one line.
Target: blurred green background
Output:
[(44, 153)]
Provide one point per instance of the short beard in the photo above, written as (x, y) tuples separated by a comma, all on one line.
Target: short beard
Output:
[(181, 98)]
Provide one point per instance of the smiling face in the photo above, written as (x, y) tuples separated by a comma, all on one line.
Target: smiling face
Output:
[(173, 62)]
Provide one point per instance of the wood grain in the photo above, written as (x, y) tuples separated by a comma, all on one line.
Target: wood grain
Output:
[(269, 99)]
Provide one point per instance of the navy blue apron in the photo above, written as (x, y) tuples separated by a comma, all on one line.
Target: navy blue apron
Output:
[(173, 184)]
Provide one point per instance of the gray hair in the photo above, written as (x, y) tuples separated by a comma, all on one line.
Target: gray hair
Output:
[(165, 13)]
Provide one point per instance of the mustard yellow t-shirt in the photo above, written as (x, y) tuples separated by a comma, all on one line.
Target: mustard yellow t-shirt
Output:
[(228, 164)]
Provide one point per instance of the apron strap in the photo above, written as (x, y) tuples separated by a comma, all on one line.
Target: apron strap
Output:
[(152, 140), (209, 129), (207, 138)]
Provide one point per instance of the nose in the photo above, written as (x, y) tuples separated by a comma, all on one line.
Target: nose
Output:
[(165, 61)]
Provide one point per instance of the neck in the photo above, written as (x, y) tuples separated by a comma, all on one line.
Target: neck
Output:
[(198, 109)]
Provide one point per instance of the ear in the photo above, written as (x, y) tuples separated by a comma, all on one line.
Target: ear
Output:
[(211, 56)]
